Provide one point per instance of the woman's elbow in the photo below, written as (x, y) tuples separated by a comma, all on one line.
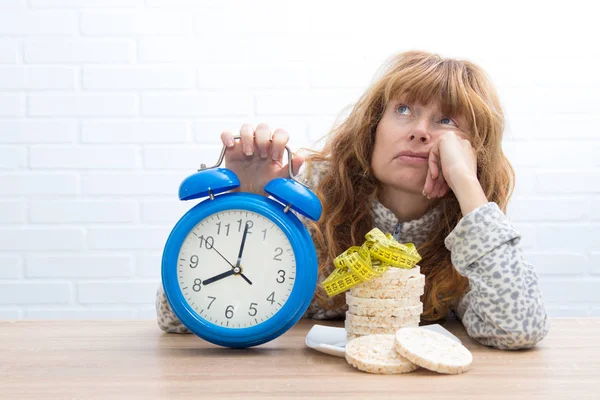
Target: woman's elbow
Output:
[(516, 339)]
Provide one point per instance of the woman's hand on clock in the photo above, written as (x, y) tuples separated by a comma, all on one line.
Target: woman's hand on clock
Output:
[(258, 157)]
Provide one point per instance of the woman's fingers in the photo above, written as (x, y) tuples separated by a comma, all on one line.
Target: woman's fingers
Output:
[(429, 182), (433, 162), (280, 139), (268, 146), (227, 139), (432, 170), (262, 137), (247, 139), (260, 141), (297, 162), (440, 188)]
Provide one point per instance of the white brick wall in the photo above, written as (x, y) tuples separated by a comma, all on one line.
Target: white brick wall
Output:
[(106, 105), (75, 50)]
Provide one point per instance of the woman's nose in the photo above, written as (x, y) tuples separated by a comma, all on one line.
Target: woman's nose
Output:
[(420, 131)]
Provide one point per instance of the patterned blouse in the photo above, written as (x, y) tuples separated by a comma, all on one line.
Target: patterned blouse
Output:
[(503, 307)]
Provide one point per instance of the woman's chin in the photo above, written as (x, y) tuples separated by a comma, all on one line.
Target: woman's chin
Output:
[(406, 186)]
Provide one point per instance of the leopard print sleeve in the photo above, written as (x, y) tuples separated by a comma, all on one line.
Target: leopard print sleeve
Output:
[(167, 321), (504, 307)]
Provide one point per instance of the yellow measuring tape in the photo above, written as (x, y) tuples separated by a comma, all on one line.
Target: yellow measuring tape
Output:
[(362, 263)]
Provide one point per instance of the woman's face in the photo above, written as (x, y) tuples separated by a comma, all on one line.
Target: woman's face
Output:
[(404, 136)]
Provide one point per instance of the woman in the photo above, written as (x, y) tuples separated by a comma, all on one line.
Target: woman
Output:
[(419, 156)]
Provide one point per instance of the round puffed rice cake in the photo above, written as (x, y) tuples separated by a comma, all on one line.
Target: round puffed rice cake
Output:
[(432, 350), (373, 330), (375, 354), (403, 302), (362, 320), (383, 294), (393, 277), (352, 336), (411, 288), (385, 313)]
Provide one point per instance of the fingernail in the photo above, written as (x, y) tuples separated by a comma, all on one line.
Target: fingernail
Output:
[(248, 150), (230, 143), (263, 154), (275, 156), (428, 197)]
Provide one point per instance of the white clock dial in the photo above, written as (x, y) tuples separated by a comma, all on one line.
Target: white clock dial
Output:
[(236, 298)]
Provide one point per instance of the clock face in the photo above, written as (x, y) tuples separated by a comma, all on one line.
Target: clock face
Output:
[(227, 292)]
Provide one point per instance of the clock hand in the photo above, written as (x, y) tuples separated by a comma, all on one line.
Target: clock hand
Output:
[(232, 266), (247, 280), (239, 260), (235, 268), (221, 276)]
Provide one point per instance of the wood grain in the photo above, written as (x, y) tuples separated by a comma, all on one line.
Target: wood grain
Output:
[(135, 359)]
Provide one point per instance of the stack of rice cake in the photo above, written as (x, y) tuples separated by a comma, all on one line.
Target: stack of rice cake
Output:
[(385, 304)]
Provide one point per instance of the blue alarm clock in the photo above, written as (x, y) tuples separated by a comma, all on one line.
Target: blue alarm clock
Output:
[(240, 269)]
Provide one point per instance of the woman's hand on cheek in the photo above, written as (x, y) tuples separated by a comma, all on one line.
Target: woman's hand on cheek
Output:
[(451, 158), (434, 187)]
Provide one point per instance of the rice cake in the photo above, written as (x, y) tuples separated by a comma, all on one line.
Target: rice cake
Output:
[(392, 277), (389, 329), (386, 312), (432, 350), (363, 320), (413, 288), (406, 301), (375, 354)]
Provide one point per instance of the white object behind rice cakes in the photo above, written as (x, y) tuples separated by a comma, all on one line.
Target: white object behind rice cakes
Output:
[(432, 350)]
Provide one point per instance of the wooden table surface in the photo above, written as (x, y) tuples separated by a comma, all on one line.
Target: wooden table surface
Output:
[(134, 359)]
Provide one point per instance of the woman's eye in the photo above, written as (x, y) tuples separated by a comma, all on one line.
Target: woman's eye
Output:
[(403, 109), (447, 121)]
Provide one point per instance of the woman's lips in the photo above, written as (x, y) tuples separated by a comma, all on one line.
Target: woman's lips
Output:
[(412, 160)]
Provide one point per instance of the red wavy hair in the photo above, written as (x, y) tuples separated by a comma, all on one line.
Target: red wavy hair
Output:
[(348, 187)]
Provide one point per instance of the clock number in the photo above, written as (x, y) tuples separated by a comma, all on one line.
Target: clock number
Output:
[(219, 229), (278, 253), (210, 241), (197, 283), (229, 312), (253, 308), (249, 222), (264, 231), (271, 298), (210, 304), (281, 276), (194, 261)]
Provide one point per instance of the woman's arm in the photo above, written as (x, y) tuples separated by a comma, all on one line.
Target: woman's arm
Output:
[(167, 321), (504, 306)]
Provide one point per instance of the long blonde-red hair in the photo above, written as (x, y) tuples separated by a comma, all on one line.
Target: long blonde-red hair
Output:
[(348, 186)]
